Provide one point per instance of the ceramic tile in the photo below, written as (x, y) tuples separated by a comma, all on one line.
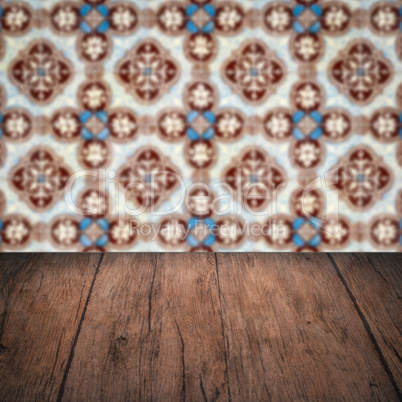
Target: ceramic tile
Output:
[(191, 125)]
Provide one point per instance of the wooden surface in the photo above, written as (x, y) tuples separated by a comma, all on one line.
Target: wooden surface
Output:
[(196, 327), (42, 300)]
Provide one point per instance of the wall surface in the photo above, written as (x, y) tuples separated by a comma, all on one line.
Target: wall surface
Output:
[(201, 125)]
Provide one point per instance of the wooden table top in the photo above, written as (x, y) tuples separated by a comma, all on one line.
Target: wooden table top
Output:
[(202, 326)]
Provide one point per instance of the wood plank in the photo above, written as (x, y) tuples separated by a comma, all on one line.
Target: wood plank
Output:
[(375, 281), (113, 346), (42, 301), (293, 333), (190, 364), (151, 332)]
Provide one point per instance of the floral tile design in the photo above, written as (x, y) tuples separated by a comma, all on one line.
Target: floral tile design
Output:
[(201, 125)]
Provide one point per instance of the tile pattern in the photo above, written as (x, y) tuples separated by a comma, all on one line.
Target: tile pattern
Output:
[(201, 125)]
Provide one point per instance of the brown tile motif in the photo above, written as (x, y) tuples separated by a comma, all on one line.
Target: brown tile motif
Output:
[(361, 72), (147, 72), (385, 21), (16, 125), (251, 174), (363, 177), (200, 125), (254, 72), (16, 232), (155, 177), (16, 20), (40, 72), (40, 178)]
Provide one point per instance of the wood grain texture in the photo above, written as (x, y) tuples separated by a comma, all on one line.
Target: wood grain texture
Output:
[(187, 330), (160, 327), (112, 354), (152, 331), (375, 281), (42, 298), (292, 332)]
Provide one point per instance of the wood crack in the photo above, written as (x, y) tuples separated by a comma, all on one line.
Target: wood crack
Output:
[(183, 375), (367, 328), (376, 270), (203, 390), (70, 358)]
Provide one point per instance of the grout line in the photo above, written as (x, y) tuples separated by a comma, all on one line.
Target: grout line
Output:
[(223, 329), (70, 358), (367, 328)]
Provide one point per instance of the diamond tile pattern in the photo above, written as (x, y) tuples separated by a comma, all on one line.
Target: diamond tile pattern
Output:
[(201, 125)]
